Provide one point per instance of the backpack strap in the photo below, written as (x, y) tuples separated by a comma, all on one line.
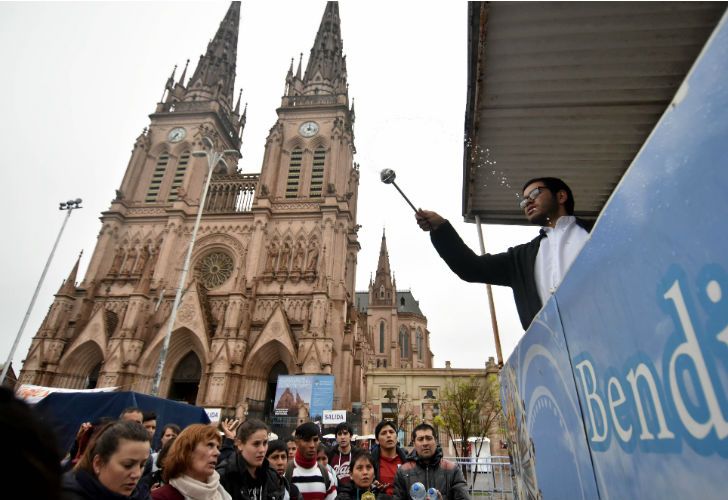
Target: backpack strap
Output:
[(289, 472), (322, 468), (325, 474)]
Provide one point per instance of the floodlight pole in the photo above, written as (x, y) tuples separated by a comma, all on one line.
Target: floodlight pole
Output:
[(213, 157), (69, 206)]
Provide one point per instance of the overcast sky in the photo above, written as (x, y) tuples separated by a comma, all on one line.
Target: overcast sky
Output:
[(80, 79)]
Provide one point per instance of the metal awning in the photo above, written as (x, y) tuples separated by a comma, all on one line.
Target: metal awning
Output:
[(569, 90)]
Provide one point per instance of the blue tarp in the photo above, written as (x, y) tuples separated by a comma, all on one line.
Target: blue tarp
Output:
[(65, 412)]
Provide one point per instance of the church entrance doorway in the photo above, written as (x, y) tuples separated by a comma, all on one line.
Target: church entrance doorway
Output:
[(186, 379)]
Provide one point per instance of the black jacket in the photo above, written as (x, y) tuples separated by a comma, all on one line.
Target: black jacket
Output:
[(237, 481), (80, 485), (438, 473), (514, 268), (349, 491)]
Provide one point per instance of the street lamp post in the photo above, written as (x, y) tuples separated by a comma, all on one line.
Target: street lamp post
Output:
[(69, 206), (213, 158)]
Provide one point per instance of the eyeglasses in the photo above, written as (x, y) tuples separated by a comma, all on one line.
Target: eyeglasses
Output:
[(531, 196)]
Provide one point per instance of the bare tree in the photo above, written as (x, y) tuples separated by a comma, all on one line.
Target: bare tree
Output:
[(401, 410)]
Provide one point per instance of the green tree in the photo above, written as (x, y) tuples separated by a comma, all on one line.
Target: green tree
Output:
[(470, 408)]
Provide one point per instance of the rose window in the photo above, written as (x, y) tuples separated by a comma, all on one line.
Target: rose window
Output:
[(215, 269)]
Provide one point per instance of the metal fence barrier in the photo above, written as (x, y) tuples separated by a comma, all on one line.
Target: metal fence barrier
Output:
[(487, 477)]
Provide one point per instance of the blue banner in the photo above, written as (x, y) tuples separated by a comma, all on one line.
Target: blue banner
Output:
[(619, 389), (292, 391)]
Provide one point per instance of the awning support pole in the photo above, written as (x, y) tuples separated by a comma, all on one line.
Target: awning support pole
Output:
[(491, 304)]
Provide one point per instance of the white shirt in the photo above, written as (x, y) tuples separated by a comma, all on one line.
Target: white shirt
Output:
[(556, 253)]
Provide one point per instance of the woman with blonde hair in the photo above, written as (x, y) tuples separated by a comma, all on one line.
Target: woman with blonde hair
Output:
[(189, 467)]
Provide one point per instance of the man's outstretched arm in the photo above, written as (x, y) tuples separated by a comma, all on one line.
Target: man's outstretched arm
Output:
[(493, 269)]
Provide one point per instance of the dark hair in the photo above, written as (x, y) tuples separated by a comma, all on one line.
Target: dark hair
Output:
[(361, 454), (344, 426), (148, 415), (176, 428), (249, 427), (179, 457), (131, 409), (422, 427), (381, 425), (554, 184), (35, 461), (276, 445), (322, 447), (158, 475), (163, 453), (106, 442), (290, 439)]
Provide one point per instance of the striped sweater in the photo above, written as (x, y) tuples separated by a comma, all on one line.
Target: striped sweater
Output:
[(311, 483)]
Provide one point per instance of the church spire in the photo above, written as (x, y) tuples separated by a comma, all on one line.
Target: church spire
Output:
[(214, 77), (326, 68), (184, 73), (382, 290), (68, 287), (383, 264)]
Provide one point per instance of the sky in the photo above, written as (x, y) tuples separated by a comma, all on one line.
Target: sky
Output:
[(80, 79)]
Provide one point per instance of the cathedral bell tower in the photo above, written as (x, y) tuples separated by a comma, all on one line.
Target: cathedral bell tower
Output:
[(307, 206), (113, 322)]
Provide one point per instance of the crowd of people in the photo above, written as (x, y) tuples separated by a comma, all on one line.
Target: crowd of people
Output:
[(113, 459)]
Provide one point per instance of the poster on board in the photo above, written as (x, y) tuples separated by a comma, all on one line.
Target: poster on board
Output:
[(293, 391)]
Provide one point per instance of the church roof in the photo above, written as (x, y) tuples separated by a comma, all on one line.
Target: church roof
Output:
[(406, 302)]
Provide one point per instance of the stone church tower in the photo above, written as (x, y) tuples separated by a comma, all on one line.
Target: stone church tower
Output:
[(392, 321), (271, 283)]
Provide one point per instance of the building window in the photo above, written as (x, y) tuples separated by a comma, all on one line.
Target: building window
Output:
[(381, 292), (215, 269), (419, 344), (294, 173), (157, 178), (404, 343), (317, 173), (381, 337), (179, 175)]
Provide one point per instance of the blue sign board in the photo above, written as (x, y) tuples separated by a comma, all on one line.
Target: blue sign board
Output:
[(294, 390), (619, 389)]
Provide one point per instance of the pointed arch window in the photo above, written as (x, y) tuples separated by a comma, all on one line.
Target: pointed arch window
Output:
[(404, 343), (419, 344), (381, 337), (157, 178), (381, 292), (317, 173), (179, 176), (294, 173)]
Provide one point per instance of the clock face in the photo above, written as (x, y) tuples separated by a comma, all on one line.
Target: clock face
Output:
[(308, 129), (177, 134)]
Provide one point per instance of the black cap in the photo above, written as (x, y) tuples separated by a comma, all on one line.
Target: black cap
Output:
[(306, 431)]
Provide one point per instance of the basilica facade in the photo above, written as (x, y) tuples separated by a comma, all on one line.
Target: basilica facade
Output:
[(270, 289)]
